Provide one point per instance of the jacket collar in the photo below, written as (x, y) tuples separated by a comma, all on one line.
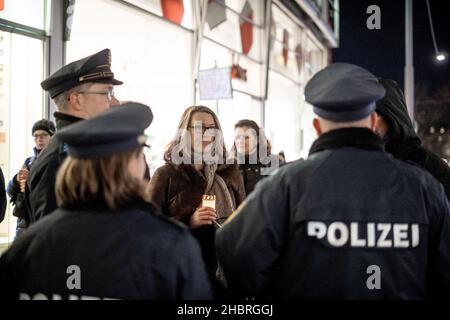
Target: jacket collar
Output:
[(359, 138), (36, 152), (64, 120)]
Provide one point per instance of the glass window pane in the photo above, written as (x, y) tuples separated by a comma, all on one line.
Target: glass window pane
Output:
[(314, 57), (283, 116), (230, 111), (284, 30), (21, 104), (228, 33), (27, 12), (154, 63), (213, 54), (155, 6)]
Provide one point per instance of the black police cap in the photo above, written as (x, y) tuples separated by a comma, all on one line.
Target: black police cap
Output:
[(118, 129), (343, 92), (94, 68)]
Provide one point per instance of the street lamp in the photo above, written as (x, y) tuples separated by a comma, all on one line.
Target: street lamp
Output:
[(440, 57)]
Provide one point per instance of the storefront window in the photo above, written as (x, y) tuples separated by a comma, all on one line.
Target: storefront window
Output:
[(174, 10), (295, 57), (154, 59), (287, 48), (31, 13), (228, 33), (283, 116), (246, 101), (314, 57), (151, 56), (21, 104)]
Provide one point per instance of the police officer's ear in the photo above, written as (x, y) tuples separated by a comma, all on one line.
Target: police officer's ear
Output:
[(373, 121), (382, 127), (316, 125), (74, 101)]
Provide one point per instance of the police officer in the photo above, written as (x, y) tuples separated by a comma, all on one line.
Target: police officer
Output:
[(106, 240), (350, 222), (80, 90)]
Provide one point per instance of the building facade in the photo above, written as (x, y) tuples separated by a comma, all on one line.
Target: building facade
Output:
[(161, 49)]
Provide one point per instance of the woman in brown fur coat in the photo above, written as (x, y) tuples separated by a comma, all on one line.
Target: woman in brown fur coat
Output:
[(196, 165)]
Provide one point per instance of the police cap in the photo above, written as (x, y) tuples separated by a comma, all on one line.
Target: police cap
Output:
[(343, 92), (95, 68), (119, 129)]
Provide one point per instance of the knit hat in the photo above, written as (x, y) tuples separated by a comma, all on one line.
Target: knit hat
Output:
[(45, 125)]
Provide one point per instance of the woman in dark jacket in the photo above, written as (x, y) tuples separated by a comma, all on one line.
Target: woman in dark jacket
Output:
[(196, 167), (252, 151), (106, 240), (395, 127)]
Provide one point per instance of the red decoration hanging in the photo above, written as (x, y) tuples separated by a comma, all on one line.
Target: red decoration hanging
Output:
[(2, 5), (246, 29), (173, 10), (237, 72)]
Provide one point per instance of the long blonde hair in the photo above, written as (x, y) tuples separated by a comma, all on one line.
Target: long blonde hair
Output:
[(183, 129)]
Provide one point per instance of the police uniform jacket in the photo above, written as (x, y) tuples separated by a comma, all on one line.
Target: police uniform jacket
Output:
[(350, 222), (39, 192), (90, 252)]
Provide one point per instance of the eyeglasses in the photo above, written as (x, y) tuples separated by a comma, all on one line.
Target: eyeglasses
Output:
[(201, 128), (42, 135), (109, 94), (239, 137)]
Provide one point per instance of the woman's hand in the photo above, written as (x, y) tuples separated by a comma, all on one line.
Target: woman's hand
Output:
[(22, 185), (202, 216), (22, 178)]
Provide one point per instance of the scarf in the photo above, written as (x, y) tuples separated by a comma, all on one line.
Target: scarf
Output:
[(215, 185)]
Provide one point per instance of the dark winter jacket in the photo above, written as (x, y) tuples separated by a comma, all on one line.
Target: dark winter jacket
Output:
[(402, 141), (16, 196), (90, 251), (40, 189), (349, 222), (253, 173)]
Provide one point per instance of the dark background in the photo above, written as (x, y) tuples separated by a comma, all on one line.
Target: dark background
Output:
[(383, 51)]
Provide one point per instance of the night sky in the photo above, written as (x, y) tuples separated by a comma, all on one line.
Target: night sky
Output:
[(383, 51)]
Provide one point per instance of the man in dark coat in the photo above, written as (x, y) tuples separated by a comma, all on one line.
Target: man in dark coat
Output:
[(349, 222), (400, 137), (80, 90), (41, 131)]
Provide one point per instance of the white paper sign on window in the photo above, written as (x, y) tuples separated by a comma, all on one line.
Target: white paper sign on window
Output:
[(215, 84)]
